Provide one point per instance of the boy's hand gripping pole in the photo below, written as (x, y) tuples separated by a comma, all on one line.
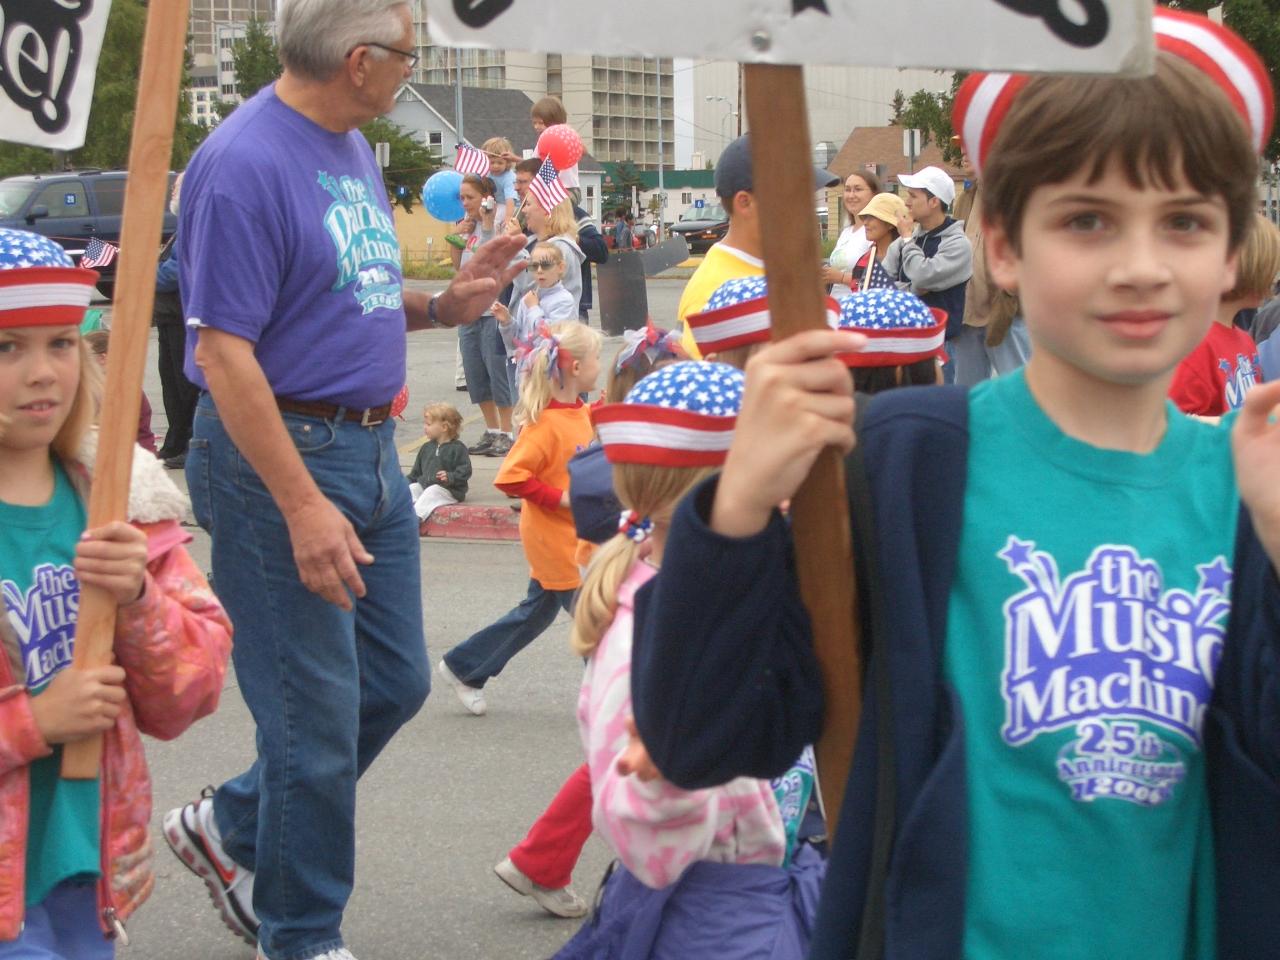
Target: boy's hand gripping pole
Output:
[(144, 200), (783, 187)]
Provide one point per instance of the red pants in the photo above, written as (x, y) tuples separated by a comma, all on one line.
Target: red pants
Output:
[(549, 853)]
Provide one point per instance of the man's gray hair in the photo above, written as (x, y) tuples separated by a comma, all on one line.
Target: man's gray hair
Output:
[(315, 36)]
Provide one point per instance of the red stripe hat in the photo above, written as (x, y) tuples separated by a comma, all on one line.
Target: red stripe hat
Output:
[(39, 285), (899, 328), (737, 315), (983, 100), (681, 415)]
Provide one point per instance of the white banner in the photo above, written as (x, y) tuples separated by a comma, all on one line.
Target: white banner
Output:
[(1074, 36), (48, 58)]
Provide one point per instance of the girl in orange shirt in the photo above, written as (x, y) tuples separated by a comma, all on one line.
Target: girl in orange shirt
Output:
[(562, 363)]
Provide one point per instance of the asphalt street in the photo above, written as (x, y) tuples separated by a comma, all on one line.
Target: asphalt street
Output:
[(450, 795)]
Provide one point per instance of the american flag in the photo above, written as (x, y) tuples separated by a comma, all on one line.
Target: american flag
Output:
[(547, 188), (471, 160), (98, 253), (876, 276)]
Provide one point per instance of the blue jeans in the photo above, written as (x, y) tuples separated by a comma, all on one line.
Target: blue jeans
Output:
[(484, 360), (62, 926), (327, 688), (483, 655), (975, 361)]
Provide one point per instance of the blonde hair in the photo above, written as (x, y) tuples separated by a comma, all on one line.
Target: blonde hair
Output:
[(1259, 261), (649, 491), (738, 356), (619, 382), (574, 336), (447, 414), (84, 408), (561, 222), (496, 145)]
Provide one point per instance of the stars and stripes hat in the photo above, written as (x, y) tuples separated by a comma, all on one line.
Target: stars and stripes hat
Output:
[(39, 285), (983, 100), (737, 315), (547, 188), (899, 328), (681, 415)]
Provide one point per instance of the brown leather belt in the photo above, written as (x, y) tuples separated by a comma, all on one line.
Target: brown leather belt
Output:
[(370, 417)]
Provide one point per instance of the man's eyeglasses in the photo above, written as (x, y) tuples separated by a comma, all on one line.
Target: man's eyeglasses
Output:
[(413, 58), (539, 265)]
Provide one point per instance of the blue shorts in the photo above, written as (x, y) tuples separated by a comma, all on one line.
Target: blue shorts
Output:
[(62, 926)]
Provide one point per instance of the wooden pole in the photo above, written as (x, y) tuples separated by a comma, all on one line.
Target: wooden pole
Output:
[(782, 178), (153, 121)]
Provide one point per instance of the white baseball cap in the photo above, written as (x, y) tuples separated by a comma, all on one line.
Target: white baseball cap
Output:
[(934, 179)]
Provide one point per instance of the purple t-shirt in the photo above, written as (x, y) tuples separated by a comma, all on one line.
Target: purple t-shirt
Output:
[(288, 241)]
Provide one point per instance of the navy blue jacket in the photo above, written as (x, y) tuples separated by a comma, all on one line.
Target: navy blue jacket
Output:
[(725, 683)]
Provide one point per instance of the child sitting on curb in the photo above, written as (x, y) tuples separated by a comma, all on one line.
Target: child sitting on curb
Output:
[(443, 467)]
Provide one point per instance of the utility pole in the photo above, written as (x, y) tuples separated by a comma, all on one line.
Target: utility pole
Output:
[(662, 194)]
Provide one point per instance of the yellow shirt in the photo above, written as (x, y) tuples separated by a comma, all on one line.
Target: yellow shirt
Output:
[(720, 264)]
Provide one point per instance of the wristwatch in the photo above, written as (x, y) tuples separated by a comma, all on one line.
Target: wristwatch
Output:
[(432, 316)]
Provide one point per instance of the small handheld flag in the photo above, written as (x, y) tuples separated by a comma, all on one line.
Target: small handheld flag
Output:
[(98, 253), (876, 277), (471, 160), (547, 188)]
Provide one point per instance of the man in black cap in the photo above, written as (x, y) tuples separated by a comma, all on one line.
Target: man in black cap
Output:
[(740, 253)]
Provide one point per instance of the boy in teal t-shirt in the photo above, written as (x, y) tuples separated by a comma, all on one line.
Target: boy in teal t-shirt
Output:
[(1076, 725)]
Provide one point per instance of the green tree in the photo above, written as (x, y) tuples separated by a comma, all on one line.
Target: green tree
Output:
[(411, 161), (930, 113), (1258, 21), (256, 61), (617, 193), (898, 105)]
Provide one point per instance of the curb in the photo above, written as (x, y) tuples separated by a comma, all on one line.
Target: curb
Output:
[(474, 522)]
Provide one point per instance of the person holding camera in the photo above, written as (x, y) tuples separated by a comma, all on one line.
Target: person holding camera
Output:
[(484, 358)]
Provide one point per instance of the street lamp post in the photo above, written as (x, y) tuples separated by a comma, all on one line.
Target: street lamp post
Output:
[(729, 112)]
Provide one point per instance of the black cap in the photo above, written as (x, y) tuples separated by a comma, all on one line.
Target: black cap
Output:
[(733, 170)]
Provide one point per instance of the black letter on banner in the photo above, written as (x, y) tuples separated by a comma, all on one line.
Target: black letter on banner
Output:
[(40, 46), (1088, 34), (800, 6), (480, 13)]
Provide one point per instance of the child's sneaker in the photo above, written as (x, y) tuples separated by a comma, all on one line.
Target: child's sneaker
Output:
[(472, 697), (559, 901), (193, 837), (484, 445)]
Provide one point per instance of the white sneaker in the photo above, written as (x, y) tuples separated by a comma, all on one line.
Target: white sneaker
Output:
[(342, 953), (472, 697), (193, 837), (558, 901)]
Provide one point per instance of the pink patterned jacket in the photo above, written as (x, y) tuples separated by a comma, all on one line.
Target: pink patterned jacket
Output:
[(658, 829), (173, 643)]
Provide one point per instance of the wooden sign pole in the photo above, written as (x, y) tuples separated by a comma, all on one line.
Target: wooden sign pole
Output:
[(782, 178), (149, 152)]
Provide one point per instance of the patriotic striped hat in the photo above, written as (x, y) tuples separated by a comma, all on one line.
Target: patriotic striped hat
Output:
[(681, 415), (899, 328), (983, 100), (737, 315), (39, 285)]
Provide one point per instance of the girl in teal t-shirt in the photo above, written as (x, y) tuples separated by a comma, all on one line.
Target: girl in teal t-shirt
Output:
[(171, 640)]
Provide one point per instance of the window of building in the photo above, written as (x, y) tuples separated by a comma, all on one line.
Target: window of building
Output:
[(435, 138), (686, 197), (229, 89)]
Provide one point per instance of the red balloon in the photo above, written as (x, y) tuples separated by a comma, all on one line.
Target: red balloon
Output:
[(560, 144)]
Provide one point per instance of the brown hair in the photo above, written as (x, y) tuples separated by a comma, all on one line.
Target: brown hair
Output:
[(447, 414), (922, 373), (738, 356), (869, 178), (1160, 129), (1259, 261), (550, 111), (98, 342), (529, 165), (485, 185)]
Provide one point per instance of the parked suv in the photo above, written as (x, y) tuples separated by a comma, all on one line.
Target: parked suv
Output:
[(702, 226), (73, 207)]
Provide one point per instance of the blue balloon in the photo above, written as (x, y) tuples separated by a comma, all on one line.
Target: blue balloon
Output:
[(442, 196)]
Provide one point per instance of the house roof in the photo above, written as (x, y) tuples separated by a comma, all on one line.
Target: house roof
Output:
[(883, 145), (489, 112)]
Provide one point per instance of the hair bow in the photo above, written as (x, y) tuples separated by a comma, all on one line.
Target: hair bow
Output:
[(636, 527), (652, 342), (539, 341)]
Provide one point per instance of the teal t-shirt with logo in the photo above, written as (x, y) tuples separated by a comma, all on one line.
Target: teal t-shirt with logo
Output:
[(41, 597), (1085, 625)]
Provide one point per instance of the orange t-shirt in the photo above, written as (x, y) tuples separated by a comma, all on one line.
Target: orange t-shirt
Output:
[(542, 452)]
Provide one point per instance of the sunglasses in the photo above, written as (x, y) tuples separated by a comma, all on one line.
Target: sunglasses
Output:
[(540, 265)]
